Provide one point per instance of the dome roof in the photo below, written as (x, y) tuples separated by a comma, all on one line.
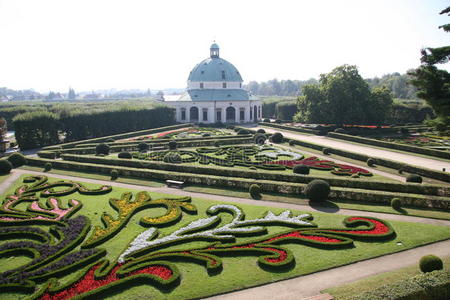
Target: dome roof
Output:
[(215, 69)]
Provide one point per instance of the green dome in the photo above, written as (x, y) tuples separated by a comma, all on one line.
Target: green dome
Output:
[(215, 69), (214, 46)]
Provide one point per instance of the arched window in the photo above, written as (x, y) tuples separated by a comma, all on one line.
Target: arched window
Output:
[(183, 114), (224, 85), (223, 75)]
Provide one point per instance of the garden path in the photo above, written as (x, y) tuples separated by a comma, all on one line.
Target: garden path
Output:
[(403, 157), (304, 286)]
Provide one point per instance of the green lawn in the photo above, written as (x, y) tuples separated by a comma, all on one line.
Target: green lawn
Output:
[(195, 281), (358, 287), (3, 177)]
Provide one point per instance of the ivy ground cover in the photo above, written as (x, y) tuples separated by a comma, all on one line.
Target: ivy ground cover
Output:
[(107, 241)]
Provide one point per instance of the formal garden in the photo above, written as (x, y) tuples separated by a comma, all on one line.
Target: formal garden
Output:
[(63, 239)]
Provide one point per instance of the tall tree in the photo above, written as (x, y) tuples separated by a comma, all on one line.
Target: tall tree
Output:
[(71, 94), (433, 84)]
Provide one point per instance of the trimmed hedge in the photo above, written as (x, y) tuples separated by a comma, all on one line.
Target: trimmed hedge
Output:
[(102, 149), (126, 155), (430, 263), (301, 169), (17, 160), (5, 166), (244, 183), (414, 178), (277, 137), (396, 203), (291, 128), (317, 190), (390, 145), (436, 190), (255, 191)]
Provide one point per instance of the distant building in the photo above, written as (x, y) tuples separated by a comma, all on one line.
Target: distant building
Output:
[(215, 94)]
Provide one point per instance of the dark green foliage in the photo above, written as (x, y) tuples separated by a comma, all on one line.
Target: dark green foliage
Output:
[(143, 146), (102, 149), (114, 174), (343, 97), (326, 151), (243, 131), (317, 190), (110, 140), (339, 130), (291, 142), (278, 121), (301, 169), (404, 130), (5, 166), (216, 144), (36, 129), (48, 166), (430, 263), (414, 178), (260, 138), (286, 110), (126, 155), (371, 162), (255, 191), (172, 145), (172, 158), (267, 120), (17, 159), (261, 130), (396, 203), (277, 137)]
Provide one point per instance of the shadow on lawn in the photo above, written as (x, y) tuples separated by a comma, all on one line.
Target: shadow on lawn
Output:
[(325, 206)]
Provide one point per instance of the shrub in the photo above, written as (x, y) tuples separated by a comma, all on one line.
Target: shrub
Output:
[(216, 143), (125, 155), (404, 130), (48, 166), (255, 191), (243, 131), (206, 134), (5, 166), (326, 151), (17, 160), (143, 146), (114, 174), (339, 130), (291, 142), (172, 157), (430, 263), (371, 162), (278, 121), (172, 145), (317, 190), (277, 137), (301, 169), (267, 120), (110, 140), (230, 127), (260, 131), (260, 138), (401, 170), (396, 203), (414, 178), (102, 149)]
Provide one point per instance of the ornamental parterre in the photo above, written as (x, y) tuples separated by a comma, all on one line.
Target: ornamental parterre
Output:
[(61, 243)]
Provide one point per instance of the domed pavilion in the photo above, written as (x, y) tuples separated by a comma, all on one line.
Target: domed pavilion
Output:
[(215, 94)]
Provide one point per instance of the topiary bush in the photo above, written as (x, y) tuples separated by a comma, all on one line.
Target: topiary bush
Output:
[(267, 120), (102, 149), (317, 190), (110, 140), (143, 146), (126, 155), (404, 130), (17, 159), (255, 191), (277, 137), (243, 131), (172, 145), (260, 138), (48, 166), (5, 166), (278, 121), (326, 151), (301, 169), (339, 130), (370, 162), (430, 263), (260, 131), (216, 144), (206, 134), (114, 174), (172, 158), (414, 178), (396, 203)]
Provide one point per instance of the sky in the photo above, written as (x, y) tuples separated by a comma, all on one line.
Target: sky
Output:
[(95, 44)]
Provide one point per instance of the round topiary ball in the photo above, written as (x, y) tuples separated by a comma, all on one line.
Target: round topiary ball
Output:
[(143, 146), (17, 159), (260, 130), (172, 145), (430, 263), (243, 131), (396, 203), (48, 166), (301, 169), (102, 149), (326, 151), (126, 155), (255, 191), (317, 190), (267, 120), (277, 137), (172, 158), (114, 174), (260, 138), (278, 121), (414, 178), (291, 142), (5, 166), (371, 162)]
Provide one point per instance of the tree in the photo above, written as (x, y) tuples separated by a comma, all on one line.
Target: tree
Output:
[(343, 97), (433, 84), (71, 94)]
